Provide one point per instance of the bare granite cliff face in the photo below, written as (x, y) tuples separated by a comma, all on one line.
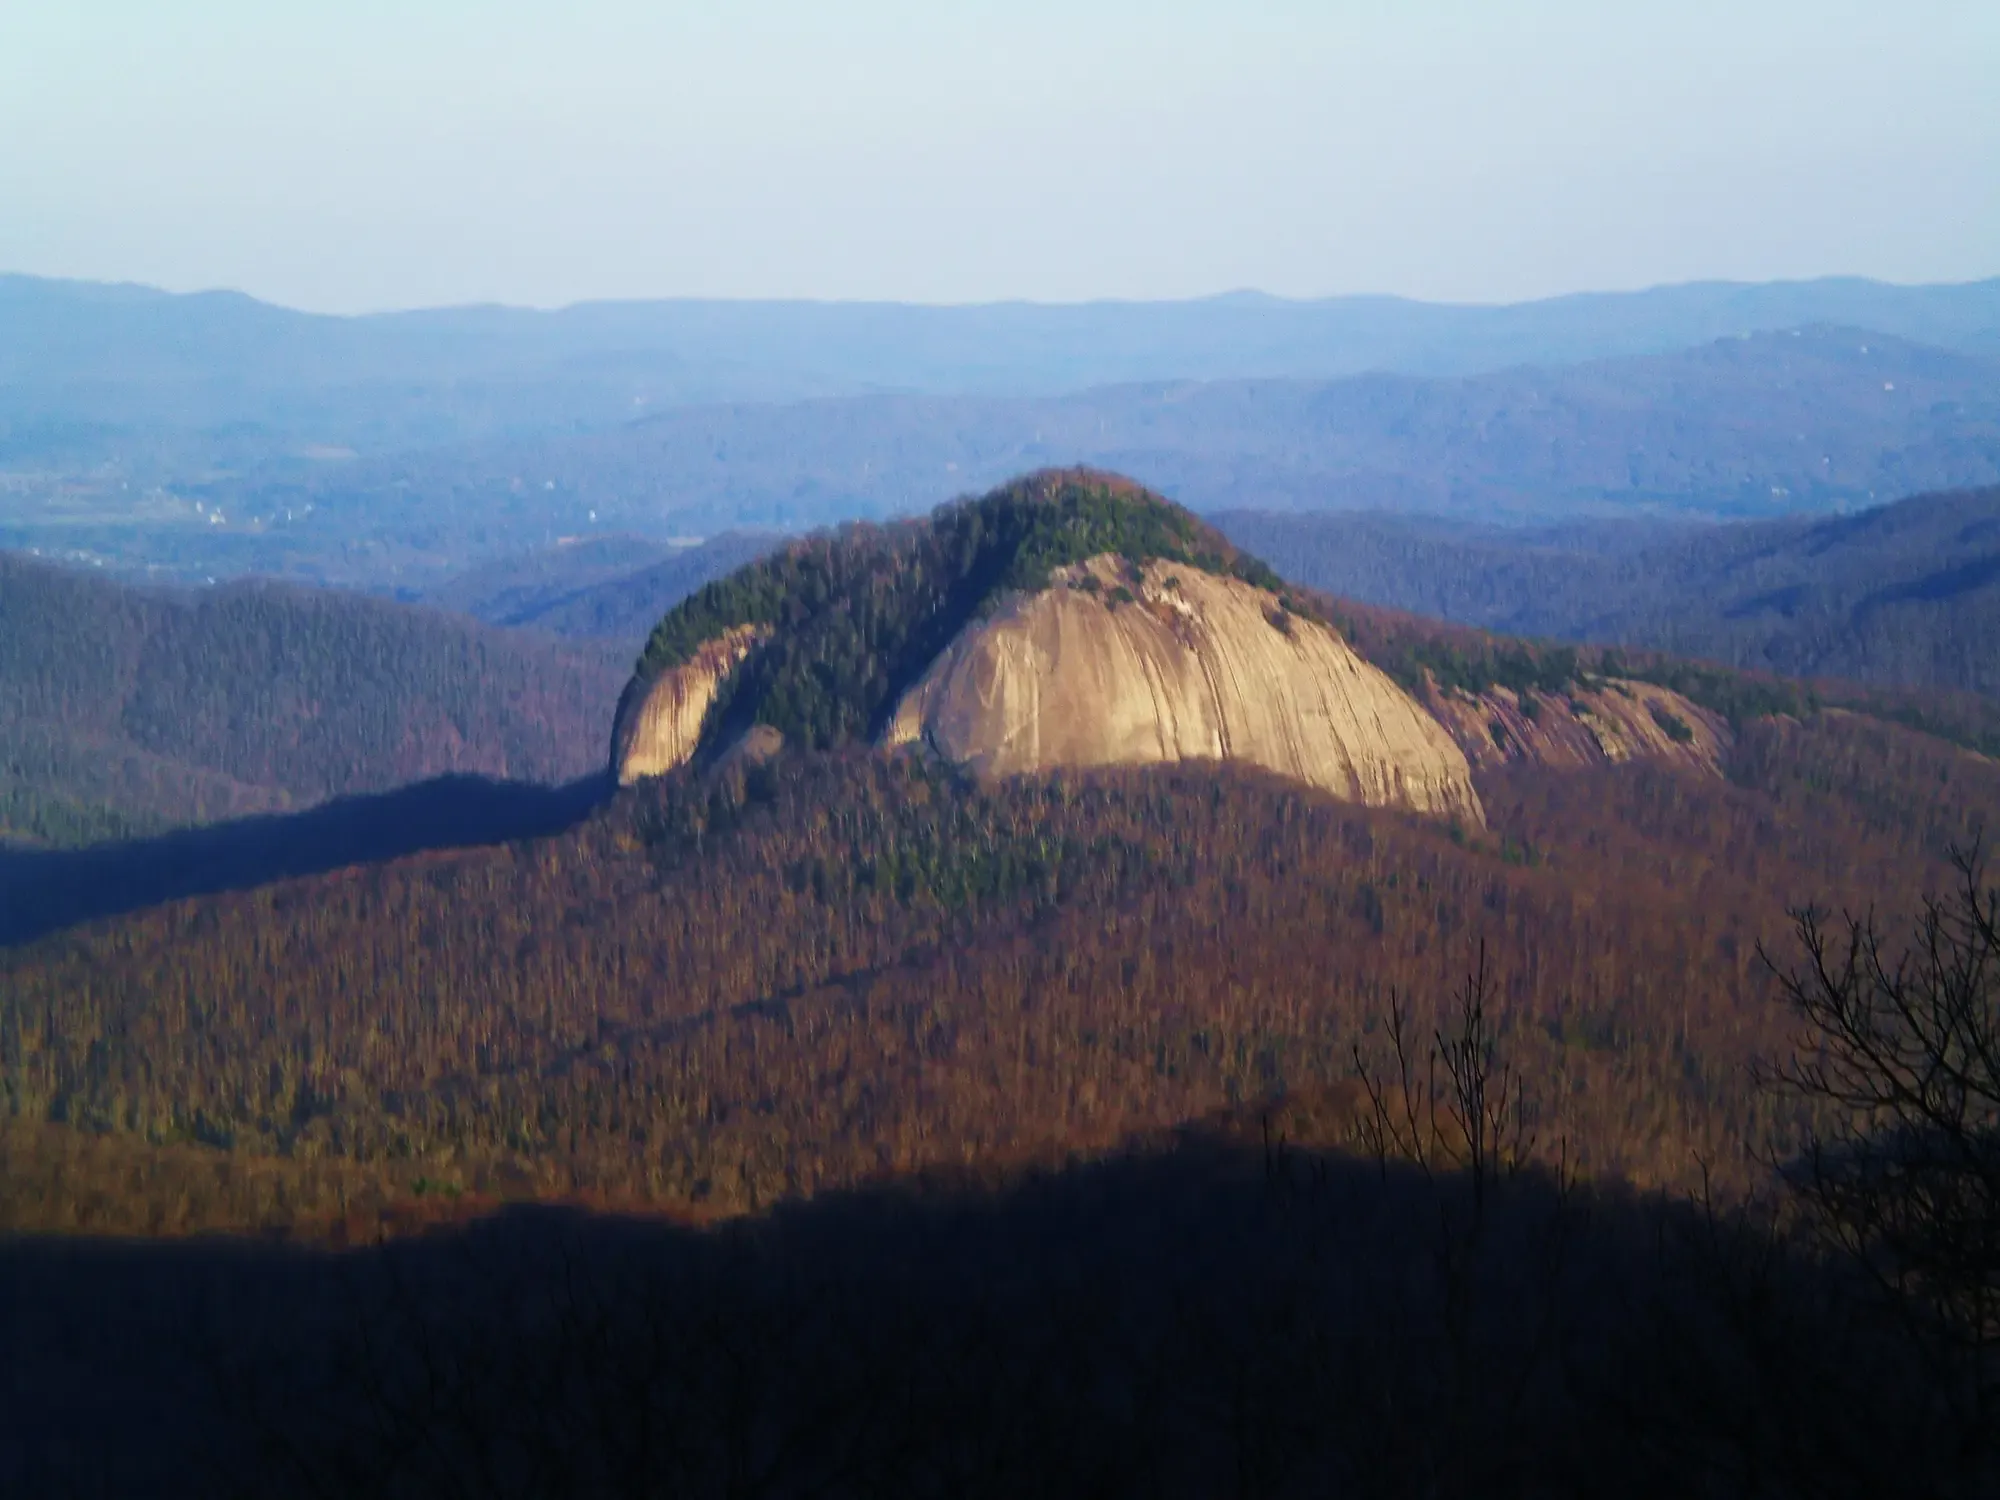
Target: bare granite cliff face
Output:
[(1121, 665), (1609, 721), (659, 719)]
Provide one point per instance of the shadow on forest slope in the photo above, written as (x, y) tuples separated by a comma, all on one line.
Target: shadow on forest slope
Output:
[(1198, 1317), (42, 890)]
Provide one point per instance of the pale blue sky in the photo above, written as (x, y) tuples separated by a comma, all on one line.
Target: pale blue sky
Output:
[(368, 154)]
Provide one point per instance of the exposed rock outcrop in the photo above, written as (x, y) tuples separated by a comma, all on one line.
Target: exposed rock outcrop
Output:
[(659, 719), (1122, 665), (756, 745), (1607, 721), (1073, 619)]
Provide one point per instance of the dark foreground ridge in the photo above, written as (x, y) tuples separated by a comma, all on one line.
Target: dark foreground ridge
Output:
[(42, 890), (1209, 1314)]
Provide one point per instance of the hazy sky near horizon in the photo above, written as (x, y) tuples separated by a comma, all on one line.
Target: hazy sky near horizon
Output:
[(369, 154)]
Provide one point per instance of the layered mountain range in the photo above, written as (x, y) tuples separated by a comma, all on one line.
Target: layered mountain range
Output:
[(386, 454), (1906, 594)]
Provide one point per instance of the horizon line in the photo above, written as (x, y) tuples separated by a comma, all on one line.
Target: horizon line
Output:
[(1240, 295)]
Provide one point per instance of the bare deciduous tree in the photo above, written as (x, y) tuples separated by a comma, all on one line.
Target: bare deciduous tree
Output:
[(1472, 1119), (1901, 1056)]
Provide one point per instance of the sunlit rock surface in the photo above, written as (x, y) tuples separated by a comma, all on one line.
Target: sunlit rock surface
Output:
[(659, 719), (1123, 665)]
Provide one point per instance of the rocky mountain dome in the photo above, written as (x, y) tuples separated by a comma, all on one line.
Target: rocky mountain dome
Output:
[(1070, 619)]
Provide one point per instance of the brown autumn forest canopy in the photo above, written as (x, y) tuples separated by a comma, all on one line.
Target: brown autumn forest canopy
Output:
[(124, 711), (728, 987), (719, 991)]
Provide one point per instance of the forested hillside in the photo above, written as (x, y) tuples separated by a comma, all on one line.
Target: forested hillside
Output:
[(721, 992), (1036, 1134), (1907, 594), (124, 711)]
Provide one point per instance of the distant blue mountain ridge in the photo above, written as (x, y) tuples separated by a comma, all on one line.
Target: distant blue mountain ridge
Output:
[(91, 352)]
